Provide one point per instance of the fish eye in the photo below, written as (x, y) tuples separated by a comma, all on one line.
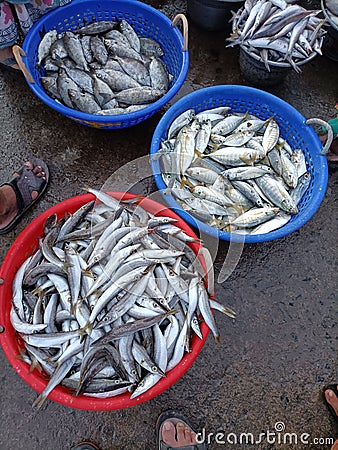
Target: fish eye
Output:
[(154, 369), (105, 319)]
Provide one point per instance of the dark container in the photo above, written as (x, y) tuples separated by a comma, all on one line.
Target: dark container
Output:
[(330, 44), (213, 15), (254, 71)]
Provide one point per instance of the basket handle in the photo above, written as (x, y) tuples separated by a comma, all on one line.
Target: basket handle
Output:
[(185, 28), (325, 149), (18, 52)]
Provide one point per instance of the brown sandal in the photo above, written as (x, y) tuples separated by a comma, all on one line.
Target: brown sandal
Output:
[(23, 185)]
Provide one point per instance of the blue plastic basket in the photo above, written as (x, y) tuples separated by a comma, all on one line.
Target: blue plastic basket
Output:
[(147, 22), (292, 128)]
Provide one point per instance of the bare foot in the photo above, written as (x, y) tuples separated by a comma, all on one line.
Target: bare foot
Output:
[(8, 200), (177, 436), (335, 445), (332, 400)]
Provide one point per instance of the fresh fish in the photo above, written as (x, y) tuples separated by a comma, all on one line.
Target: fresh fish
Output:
[(132, 37), (138, 95), (84, 101), (225, 182), (82, 79), (64, 85), (74, 49), (123, 328), (159, 76), (277, 31), (135, 69), (99, 27), (149, 47), (116, 80), (271, 136), (302, 186), (46, 42), (254, 217), (298, 160), (98, 50), (110, 52)]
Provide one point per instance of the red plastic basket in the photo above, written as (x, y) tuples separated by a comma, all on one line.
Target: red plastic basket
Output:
[(25, 244)]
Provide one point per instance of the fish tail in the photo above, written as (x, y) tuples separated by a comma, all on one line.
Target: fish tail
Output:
[(85, 330), (39, 401), (229, 312)]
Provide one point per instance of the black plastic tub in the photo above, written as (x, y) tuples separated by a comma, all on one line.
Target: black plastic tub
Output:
[(254, 71), (213, 15), (330, 44)]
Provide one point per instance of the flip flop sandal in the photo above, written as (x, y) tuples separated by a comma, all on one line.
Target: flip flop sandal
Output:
[(85, 446), (23, 185), (174, 417), (331, 387)]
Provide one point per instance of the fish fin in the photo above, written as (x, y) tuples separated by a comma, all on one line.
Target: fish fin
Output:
[(247, 161), (83, 332), (185, 182), (88, 273), (39, 401), (66, 266), (37, 290)]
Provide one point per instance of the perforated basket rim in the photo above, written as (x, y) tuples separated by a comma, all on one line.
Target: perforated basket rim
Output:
[(116, 120), (242, 92)]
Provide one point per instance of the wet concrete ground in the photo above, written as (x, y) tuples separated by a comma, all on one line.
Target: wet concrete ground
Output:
[(281, 350)]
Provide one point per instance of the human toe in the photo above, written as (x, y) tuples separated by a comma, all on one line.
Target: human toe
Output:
[(169, 433), (332, 399), (335, 445)]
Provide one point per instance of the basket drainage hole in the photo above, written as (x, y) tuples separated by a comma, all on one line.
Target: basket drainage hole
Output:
[(2, 329)]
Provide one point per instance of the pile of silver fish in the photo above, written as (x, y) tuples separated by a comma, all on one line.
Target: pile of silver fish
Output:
[(110, 300), (103, 68), (233, 171), (277, 32)]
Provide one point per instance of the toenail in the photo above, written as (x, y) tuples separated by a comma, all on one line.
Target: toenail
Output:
[(167, 426), (181, 425), (330, 393)]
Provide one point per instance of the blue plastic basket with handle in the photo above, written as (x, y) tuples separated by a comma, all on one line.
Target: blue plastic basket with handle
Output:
[(293, 128), (147, 22)]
